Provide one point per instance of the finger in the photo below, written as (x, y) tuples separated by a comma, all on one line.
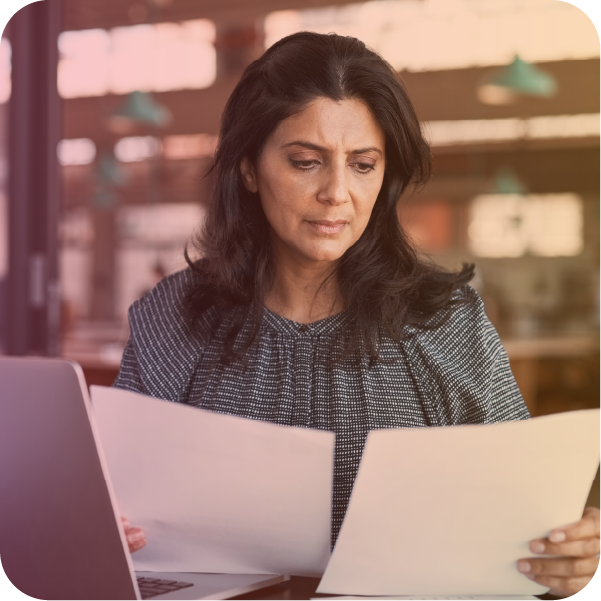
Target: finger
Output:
[(587, 527), (562, 587), (125, 523), (562, 567), (136, 539), (136, 546), (578, 548)]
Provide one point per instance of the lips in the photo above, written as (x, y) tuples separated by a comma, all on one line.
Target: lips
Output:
[(324, 226)]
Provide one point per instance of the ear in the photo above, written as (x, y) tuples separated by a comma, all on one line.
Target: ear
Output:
[(249, 176)]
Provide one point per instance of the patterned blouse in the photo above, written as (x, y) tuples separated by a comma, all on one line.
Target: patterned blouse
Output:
[(457, 373)]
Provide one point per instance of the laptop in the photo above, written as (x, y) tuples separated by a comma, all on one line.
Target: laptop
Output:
[(60, 527)]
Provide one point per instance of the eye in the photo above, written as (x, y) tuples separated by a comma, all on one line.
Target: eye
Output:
[(304, 165), (363, 167)]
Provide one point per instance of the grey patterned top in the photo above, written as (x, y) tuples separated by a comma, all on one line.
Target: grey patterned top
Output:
[(457, 373)]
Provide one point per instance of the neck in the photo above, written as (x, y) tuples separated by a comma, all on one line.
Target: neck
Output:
[(303, 291)]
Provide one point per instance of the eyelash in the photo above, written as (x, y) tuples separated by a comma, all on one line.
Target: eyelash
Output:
[(302, 166)]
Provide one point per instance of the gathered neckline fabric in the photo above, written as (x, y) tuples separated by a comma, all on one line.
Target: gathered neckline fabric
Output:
[(323, 327)]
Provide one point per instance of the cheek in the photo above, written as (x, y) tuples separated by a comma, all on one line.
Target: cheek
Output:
[(283, 200), (365, 208), (280, 215)]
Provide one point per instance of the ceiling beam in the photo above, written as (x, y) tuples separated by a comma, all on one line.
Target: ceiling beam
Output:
[(88, 14), (199, 111)]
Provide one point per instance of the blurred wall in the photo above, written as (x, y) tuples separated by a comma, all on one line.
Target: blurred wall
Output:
[(515, 185)]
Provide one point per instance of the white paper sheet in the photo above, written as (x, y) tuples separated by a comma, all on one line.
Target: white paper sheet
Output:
[(449, 511), (216, 493)]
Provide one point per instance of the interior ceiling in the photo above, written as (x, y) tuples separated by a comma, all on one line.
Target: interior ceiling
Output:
[(578, 93), (88, 14)]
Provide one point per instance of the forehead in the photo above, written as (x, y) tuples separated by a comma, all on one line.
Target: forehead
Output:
[(329, 123)]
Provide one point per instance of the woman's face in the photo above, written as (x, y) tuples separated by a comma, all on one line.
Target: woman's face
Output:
[(318, 177)]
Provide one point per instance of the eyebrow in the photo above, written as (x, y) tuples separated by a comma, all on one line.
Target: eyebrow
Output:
[(311, 146)]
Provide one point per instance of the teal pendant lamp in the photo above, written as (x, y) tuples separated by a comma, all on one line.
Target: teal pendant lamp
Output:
[(517, 79), (139, 108), (506, 181), (109, 171), (109, 175)]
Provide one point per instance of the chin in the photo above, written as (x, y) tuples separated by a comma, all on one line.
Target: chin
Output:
[(325, 255)]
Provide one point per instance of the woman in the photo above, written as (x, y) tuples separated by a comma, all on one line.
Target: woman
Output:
[(310, 307)]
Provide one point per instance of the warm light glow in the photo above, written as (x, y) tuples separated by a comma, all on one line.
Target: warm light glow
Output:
[(78, 151), (5, 70), (160, 57), (429, 223), (190, 146), (152, 240), (420, 35), (447, 133), (137, 148), (496, 228), (554, 224), (510, 225), (563, 126), (76, 234), (497, 95), (444, 133), (159, 224)]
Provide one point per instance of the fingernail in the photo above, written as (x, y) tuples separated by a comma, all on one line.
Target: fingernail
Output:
[(557, 536), (135, 537), (523, 566), (537, 547)]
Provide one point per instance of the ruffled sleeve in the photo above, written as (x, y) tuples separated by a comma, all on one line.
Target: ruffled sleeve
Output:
[(128, 377), (461, 369), (163, 349)]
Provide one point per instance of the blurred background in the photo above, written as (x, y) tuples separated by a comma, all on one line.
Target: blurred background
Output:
[(109, 115)]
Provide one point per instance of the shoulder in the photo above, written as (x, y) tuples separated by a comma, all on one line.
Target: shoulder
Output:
[(163, 337), (463, 366), (165, 307), (463, 318), (467, 308), (169, 294), (161, 313)]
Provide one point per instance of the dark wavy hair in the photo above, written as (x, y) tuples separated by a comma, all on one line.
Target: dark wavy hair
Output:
[(381, 279)]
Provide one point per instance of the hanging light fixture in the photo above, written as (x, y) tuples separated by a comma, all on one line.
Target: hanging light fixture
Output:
[(517, 79), (109, 171), (109, 175), (506, 181), (139, 108)]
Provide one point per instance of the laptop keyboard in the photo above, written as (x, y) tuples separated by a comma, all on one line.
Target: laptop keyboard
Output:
[(152, 587)]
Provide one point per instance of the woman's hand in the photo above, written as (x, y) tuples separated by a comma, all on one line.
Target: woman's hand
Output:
[(576, 556), (136, 538)]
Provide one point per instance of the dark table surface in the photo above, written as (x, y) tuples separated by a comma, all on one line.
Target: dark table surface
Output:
[(299, 587)]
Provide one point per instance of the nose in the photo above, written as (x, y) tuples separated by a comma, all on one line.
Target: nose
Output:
[(335, 186)]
